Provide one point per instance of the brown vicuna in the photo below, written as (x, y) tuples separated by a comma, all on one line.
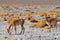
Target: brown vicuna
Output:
[(13, 22), (51, 19)]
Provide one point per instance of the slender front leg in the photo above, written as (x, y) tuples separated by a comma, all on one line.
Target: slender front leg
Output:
[(8, 30), (48, 23), (22, 26), (49, 30), (15, 28), (23, 30)]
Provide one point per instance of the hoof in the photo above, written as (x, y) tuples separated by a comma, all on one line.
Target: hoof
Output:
[(21, 33), (8, 30)]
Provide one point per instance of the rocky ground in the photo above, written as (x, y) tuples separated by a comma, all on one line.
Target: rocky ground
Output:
[(30, 33)]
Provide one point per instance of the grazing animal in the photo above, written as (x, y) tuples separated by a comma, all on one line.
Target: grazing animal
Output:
[(13, 22), (51, 20)]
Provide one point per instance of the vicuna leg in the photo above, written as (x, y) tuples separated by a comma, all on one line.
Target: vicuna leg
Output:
[(8, 30), (15, 28), (54, 23), (23, 29)]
